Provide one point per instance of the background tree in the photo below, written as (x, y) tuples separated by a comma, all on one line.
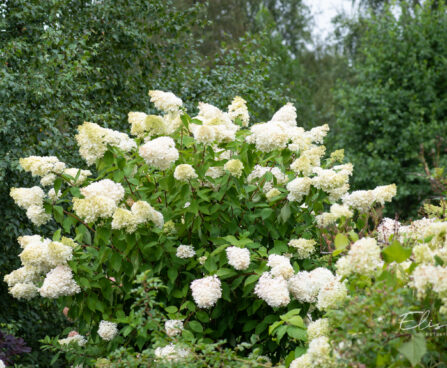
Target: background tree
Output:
[(395, 99)]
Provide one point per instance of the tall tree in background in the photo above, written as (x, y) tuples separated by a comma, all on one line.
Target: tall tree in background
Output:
[(396, 99)]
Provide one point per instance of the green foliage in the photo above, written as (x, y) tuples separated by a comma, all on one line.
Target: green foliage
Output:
[(396, 99), (63, 58)]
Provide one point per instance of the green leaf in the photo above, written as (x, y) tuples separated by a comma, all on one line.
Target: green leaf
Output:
[(57, 235), (171, 309), (297, 333), (396, 253), (172, 274), (285, 213), (341, 242), (195, 326), (414, 349), (280, 332), (273, 326), (251, 279), (115, 261)]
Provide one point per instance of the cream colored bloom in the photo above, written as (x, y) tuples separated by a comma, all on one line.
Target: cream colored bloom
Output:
[(184, 172), (234, 167)]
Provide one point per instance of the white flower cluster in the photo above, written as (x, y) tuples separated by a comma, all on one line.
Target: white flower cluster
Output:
[(305, 285), (234, 167), (31, 199), (184, 172), (318, 355), (415, 230), (44, 166), (59, 282), (435, 242), (101, 200), (141, 212), (280, 266), (429, 277), (298, 188), (273, 290), (171, 353), (173, 327), (73, 172), (363, 200), (206, 291), (363, 258), (259, 171), (332, 181), (310, 158), (107, 330), (238, 109), (320, 286), (165, 101), (318, 328), (40, 257), (185, 251), (146, 126), (93, 140), (159, 152), (304, 247), (336, 211), (73, 337), (217, 126), (237, 257)]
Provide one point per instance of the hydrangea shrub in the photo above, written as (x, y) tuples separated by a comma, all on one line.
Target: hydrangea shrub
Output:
[(240, 222)]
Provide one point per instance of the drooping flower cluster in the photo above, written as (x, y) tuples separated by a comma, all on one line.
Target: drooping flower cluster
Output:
[(239, 258), (141, 212), (31, 200), (206, 291), (165, 101), (363, 200), (59, 282), (280, 265), (107, 330), (298, 188), (318, 328), (46, 167), (427, 277), (318, 355), (40, 257), (93, 140)]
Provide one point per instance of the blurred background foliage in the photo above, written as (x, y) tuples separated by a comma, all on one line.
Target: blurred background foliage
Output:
[(381, 84)]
